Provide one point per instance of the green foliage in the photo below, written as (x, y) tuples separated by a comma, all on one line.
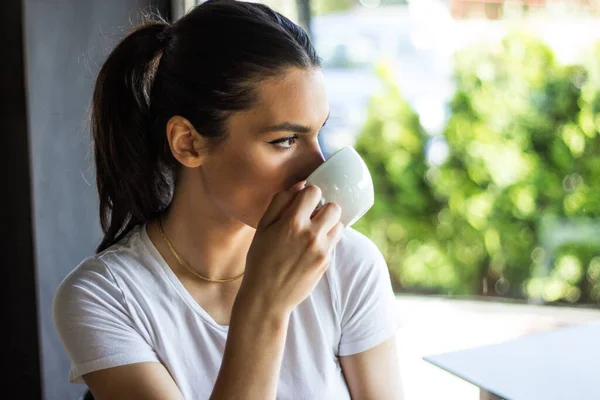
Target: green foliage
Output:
[(319, 7), (524, 147)]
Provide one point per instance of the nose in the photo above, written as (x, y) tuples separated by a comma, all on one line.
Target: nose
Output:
[(313, 161), (306, 164)]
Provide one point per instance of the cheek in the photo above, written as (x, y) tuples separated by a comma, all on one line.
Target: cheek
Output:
[(256, 185), (244, 186)]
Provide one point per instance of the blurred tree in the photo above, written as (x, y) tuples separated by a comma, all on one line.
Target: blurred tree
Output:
[(523, 147), (319, 7)]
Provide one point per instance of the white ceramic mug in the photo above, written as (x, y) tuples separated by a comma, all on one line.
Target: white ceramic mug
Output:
[(344, 179)]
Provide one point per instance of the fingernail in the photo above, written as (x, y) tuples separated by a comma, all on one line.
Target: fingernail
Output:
[(299, 186)]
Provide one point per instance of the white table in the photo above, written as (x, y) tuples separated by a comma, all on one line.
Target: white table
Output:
[(560, 364)]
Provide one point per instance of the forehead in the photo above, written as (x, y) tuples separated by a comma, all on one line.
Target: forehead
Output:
[(297, 96)]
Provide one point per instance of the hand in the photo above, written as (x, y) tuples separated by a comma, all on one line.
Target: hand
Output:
[(291, 250)]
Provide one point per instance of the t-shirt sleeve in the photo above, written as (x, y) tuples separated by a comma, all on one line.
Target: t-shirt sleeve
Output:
[(367, 304), (91, 319)]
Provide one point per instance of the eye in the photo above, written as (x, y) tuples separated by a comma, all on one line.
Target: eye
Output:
[(288, 143), (281, 143)]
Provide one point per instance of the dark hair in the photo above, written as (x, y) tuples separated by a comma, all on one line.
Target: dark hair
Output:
[(203, 67)]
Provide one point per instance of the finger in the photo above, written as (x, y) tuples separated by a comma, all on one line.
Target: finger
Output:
[(305, 203), (326, 218), (335, 234), (279, 203), (319, 207)]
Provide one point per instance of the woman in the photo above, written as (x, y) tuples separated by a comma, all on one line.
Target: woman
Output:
[(216, 278)]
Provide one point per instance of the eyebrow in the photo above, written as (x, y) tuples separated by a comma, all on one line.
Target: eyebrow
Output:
[(290, 127)]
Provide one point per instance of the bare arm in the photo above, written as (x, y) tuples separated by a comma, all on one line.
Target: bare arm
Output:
[(374, 374), (253, 354), (147, 380)]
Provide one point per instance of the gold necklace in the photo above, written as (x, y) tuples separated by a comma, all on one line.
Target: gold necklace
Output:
[(184, 265)]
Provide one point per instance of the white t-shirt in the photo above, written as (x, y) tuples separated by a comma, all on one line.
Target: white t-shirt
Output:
[(125, 305)]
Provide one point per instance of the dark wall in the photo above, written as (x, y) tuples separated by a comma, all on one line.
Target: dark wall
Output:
[(20, 355), (48, 201)]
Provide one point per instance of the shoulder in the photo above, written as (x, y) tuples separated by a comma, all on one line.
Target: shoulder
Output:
[(90, 282), (355, 249), (356, 259), (93, 316), (93, 279)]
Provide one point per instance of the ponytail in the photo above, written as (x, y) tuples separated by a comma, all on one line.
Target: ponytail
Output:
[(128, 177)]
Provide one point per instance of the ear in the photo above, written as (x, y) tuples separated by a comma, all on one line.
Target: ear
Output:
[(186, 143)]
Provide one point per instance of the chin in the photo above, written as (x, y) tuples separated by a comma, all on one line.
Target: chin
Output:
[(252, 223), (251, 216), (249, 220)]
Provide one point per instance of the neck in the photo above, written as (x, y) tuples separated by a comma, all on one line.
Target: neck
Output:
[(210, 243)]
